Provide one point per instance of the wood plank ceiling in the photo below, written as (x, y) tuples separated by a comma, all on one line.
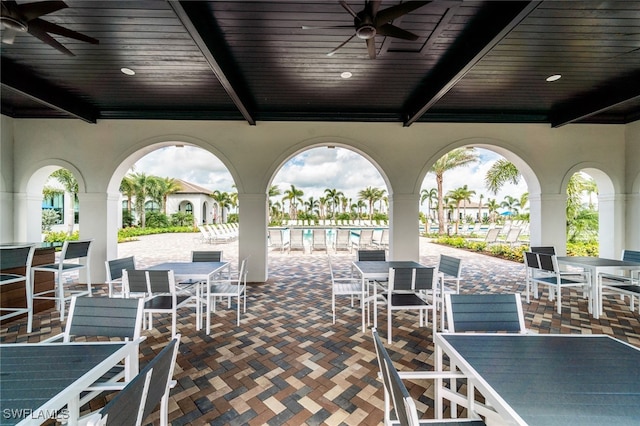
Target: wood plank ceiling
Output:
[(472, 61)]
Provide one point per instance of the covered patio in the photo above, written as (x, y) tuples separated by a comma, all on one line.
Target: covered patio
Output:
[(287, 363)]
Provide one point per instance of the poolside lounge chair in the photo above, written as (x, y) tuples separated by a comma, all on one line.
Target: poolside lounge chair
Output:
[(343, 240), (319, 241), (296, 239), (277, 241)]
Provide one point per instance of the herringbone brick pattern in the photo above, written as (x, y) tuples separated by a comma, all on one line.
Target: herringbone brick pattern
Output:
[(287, 364)]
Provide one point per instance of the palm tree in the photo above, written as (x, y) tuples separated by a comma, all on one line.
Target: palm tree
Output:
[(334, 195), (510, 203), (127, 188), (380, 196), (322, 205), (70, 184), (480, 208), (492, 206), (223, 201), (274, 191), (293, 195), (311, 204), (453, 159), (428, 195), (459, 195), (368, 194), (167, 186), (143, 186), (501, 172)]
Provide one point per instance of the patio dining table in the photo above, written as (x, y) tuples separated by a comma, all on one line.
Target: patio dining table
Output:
[(538, 379), (199, 272), (38, 380), (377, 270), (596, 266)]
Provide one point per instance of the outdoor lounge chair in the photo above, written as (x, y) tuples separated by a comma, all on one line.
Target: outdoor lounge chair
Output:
[(319, 240), (277, 241), (343, 240), (296, 239)]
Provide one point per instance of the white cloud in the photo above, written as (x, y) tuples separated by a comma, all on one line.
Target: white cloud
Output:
[(313, 171)]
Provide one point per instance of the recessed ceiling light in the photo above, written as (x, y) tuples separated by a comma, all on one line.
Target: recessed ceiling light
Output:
[(346, 74), (127, 71), (554, 77)]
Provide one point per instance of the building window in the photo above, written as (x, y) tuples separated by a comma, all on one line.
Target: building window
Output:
[(151, 207), (188, 208)]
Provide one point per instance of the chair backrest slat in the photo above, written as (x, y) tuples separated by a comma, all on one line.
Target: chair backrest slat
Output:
[(104, 316), (547, 262), (206, 256), (135, 281), (449, 265), (372, 255), (543, 249), (76, 249), (485, 312), (161, 281), (115, 267), (531, 260), (16, 256), (125, 409), (631, 255)]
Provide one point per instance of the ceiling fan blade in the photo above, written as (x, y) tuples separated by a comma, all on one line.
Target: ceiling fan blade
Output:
[(371, 47), (9, 36), (349, 9), (396, 32), (393, 12), (34, 10), (49, 27), (46, 38), (342, 44)]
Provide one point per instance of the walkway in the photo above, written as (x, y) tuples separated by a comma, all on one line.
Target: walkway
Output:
[(287, 364)]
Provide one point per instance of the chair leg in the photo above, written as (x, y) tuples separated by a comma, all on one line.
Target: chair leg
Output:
[(60, 300)]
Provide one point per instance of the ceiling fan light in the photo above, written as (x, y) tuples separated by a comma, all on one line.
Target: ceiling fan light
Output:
[(366, 32), (346, 74), (13, 24), (554, 77), (127, 71)]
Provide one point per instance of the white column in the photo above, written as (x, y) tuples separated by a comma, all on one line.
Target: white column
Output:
[(631, 240), (28, 217), (93, 211), (7, 225), (404, 240), (548, 221), (253, 235), (611, 214)]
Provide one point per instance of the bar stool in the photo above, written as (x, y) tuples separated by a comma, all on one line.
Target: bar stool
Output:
[(13, 257), (78, 251)]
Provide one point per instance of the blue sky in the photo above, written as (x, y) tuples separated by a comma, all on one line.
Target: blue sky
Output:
[(313, 171)]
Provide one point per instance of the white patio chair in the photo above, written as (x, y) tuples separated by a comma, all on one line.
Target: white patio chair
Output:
[(449, 271), (158, 289), (343, 284), (620, 284), (141, 396), (296, 239), (343, 240), (114, 272), (409, 289), (17, 259), (395, 393), (75, 256), (113, 318), (484, 313), (555, 280), (231, 287)]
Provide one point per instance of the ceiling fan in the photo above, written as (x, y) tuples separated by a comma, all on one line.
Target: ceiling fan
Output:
[(25, 18), (370, 22)]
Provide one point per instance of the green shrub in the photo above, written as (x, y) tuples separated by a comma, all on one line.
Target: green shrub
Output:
[(60, 237), (156, 220), (181, 219)]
